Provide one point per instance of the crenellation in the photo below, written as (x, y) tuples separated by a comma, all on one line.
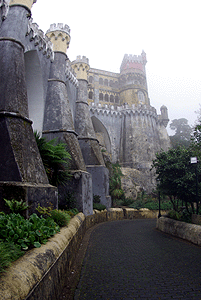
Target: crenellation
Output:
[(40, 40), (82, 59), (70, 75), (59, 27)]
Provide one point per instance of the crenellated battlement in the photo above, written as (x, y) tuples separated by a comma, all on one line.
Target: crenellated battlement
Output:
[(81, 59), (40, 39), (59, 27), (70, 74), (111, 110), (134, 62)]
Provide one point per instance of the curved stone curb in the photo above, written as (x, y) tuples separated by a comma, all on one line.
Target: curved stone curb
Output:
[(41, 272), (186, 231)]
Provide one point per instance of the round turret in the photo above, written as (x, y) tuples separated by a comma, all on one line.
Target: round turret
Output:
[(59, 35), (27, 3), (81, 67), (164, 115), (132, 80)]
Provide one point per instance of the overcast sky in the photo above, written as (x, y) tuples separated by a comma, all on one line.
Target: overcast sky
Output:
[(167, 30)]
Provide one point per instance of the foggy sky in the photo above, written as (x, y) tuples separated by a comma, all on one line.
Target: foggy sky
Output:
[(167, 30)]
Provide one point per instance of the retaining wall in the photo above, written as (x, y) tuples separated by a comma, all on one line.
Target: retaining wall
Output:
[(186, 231), (41, 272)]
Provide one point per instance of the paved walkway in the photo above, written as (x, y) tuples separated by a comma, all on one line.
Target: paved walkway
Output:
[(130, 259)]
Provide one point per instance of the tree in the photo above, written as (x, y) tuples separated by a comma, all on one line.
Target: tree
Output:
[(182, 134), (176, 175)]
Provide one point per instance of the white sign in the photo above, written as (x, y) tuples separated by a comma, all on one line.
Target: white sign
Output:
[(194, 160)]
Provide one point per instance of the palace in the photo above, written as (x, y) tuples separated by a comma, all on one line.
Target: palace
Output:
[(101, 116)]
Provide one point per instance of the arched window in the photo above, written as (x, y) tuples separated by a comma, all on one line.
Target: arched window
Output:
[(101, 81), (111, 83), (141, 97), (101, 96), (106, 98), (111, 98), (106, 82), (116, 84), (90, 95), (116, 99), (91, 79)]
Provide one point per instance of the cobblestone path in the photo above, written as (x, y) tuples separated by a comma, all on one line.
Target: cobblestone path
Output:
[(130, 259)]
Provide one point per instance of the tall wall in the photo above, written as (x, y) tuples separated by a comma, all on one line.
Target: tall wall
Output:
[(124, 121)]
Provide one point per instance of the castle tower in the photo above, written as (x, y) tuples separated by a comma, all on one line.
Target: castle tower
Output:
[(27, 3), (132, 80), (22, 174), (59, 34), (164, 115), (86, 135), (58, 121)]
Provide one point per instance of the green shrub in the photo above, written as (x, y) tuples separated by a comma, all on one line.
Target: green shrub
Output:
[(115, 188), (26, 233), (174, 215), (16, 206), (8, 252), (99, 206), (151, 202), (96, 199), (56, 159), (44, 211), (68, 201), (127, 201), (183, 216), (60, 217), (72, 212)]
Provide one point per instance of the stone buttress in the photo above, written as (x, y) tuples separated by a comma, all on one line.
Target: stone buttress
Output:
[(22, 173), (86, 135), (58, 121)]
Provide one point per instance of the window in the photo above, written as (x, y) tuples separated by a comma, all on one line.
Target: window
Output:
[(90, 95), (91, 79), (106, 98), (111, 83), (141, 97), (116, 99), (106, 82), (101, 96), (111, 98), (101, 81)]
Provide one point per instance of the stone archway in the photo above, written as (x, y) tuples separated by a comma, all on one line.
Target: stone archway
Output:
[(35, 91), (101, 134)]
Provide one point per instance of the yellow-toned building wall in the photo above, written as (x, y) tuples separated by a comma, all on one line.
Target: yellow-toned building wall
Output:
[(27, 3), (129, 96), (111, 88), (81, 70), (60, 40)]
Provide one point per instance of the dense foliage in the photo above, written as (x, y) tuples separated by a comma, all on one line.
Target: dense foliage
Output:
[(176, 176), (26, 233), (61, 217), (182, 135), (96, 203), (9, 252), (55, 158), (116, 190)]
